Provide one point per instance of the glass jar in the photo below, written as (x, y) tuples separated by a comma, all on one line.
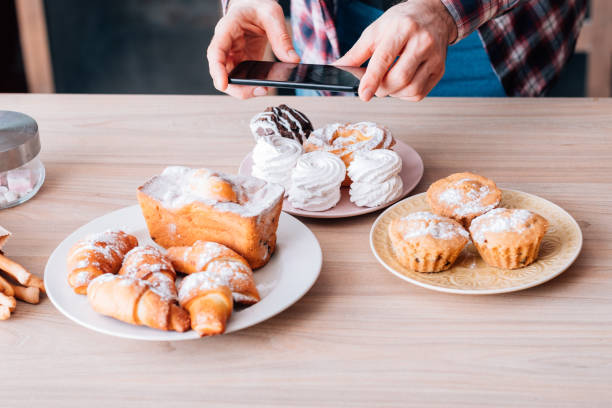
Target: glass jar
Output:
[(21, 171)]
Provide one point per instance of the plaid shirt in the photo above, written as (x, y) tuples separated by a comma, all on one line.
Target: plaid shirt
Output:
[(528, 41)]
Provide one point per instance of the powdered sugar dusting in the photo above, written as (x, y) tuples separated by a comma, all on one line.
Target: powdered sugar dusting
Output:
[(161, 286), (138, 258), (466, 202), (174, 189), (499, 220), (428, 224), (200, 281)]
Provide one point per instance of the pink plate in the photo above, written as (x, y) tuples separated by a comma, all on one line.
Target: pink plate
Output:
[(412, 171)]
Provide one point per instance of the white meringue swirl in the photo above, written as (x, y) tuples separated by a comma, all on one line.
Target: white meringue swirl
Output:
[(274, 158), (375, 194), (315, 181), (374, 166)]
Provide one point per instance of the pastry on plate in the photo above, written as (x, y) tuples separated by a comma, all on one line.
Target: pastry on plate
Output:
[(148, 263), (316, 180), (221, 263), (375, 177), (463, 197), (274, 158), (344, 140), (508, 238), (281, 121), (184, 205), (208, 301), (426, 242), (96, 255), (136, 301)]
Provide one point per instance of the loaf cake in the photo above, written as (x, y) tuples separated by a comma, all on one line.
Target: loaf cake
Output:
[(184, 205)]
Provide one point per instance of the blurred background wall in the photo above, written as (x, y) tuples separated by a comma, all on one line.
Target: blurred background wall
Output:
[(158, 46)]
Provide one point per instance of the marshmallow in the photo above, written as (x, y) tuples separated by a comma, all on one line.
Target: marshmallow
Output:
[(20, 181)]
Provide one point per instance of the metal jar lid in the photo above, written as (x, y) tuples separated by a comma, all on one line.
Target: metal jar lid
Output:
[(19, 141)]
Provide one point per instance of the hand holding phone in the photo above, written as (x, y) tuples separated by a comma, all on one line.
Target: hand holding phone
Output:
[(297, 76)]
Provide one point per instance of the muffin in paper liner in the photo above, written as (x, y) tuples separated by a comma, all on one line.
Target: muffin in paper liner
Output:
[(508, 238), (425, 242)]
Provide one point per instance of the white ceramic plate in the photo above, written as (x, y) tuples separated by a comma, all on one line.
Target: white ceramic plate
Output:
[(470, 275), (411, 174), (291, 272)]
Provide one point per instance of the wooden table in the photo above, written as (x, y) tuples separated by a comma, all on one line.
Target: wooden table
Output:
[(360, 337)]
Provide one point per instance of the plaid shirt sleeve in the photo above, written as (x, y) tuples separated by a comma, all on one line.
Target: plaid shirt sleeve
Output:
[(469, 15)]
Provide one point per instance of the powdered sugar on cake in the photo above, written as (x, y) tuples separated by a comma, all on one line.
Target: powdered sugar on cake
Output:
[(466, 202), (499, 220), (172, 190), (428, 224)]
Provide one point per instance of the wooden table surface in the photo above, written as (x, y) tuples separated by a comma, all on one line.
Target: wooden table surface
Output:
[(360, 337)]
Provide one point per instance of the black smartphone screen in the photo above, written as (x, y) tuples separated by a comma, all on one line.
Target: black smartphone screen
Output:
[(304, 76)]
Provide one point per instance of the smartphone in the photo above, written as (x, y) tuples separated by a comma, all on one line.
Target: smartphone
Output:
[(302, 76)]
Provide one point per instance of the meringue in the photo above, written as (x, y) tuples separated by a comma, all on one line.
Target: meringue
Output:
[(375, 176), (274, 158), (375, 166), (315, 181), (375, 194)]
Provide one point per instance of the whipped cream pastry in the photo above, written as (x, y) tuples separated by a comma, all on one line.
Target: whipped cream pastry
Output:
[(375, 176), (274, 158), (315, 181)]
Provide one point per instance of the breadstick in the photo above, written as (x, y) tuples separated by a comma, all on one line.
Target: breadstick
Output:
[(6, 287), (20, 274), (5, 312), (8, 301), (27, 294)]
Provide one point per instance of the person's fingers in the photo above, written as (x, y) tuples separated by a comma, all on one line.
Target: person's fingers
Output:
[(416, 88), (246, 92), (217, 54), (402, 72), (274, 24), (432, 82), (382, 59), (359, 52)]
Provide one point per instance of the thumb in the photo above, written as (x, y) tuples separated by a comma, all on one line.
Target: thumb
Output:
[(278, 36)]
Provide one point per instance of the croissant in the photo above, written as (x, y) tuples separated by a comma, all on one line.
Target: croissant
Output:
[(96, 255), (137, 302), (195, 258), (143, 262), (220, 262), (208, 301)]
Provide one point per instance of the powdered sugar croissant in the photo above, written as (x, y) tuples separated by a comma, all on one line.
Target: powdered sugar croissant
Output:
[(96, 255), (208, 301), (222, 263), (137, 302)]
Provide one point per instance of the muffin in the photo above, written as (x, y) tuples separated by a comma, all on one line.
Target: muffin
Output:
[(426, 242), (463, 197), (508, 238)]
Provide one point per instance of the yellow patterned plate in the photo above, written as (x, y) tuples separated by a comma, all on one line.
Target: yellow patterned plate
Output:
[(470, 274)]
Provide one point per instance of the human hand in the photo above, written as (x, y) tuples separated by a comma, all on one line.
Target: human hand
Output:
[(242, 34), (407, 50)]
